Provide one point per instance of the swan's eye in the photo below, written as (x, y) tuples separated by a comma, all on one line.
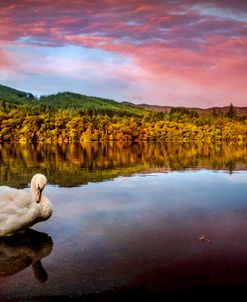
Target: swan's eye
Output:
[(38, 186)]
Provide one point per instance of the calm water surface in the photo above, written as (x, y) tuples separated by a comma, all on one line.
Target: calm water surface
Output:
[(127, 222)]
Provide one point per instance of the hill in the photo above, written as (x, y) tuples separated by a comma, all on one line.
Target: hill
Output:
[(66, 101), (88, 104)]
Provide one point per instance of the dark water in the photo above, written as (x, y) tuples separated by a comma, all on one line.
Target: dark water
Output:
[(139, 221)]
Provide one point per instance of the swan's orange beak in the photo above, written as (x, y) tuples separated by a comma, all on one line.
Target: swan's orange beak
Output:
[(38, 195)]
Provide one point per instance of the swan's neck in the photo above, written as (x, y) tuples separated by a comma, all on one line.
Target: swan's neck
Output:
[(35, 192), (44, 203), (45, 208)]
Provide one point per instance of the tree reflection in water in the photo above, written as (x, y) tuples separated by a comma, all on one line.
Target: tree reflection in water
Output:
[(22, 250), (70, 165)]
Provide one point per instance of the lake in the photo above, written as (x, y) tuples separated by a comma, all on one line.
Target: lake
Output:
[(149, 221)]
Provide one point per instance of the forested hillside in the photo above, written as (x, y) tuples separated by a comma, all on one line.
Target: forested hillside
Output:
[(71, 117), (14, 96)]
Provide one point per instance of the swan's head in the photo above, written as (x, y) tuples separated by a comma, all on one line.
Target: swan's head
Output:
[(37, 184)]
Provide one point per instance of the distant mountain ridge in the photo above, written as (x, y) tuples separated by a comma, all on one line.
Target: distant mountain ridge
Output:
[(167, 109)]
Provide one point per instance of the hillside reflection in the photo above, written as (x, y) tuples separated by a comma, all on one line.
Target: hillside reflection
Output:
[(76, 164)]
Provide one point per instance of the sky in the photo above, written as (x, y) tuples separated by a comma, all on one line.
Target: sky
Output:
[(178, 52)]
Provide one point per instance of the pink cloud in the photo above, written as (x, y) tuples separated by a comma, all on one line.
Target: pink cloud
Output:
[(4, 62), (176, 42)]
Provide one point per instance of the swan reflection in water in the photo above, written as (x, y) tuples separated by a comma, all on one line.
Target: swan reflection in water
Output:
[(21, 250)]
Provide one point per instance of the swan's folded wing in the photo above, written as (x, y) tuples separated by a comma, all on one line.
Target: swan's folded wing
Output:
[(19, 197), (17, 210)]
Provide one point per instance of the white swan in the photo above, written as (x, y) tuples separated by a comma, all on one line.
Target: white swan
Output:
[(19, 209)]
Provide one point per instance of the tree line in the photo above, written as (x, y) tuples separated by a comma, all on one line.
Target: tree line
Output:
[(18, 127), (70, 117)]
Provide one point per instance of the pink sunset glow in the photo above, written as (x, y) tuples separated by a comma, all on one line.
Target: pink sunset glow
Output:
[(181, 53)]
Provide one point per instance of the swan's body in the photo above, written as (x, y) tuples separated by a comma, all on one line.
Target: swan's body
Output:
[(19, 209)]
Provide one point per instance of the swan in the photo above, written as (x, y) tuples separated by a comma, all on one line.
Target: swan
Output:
[(20, 210)]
